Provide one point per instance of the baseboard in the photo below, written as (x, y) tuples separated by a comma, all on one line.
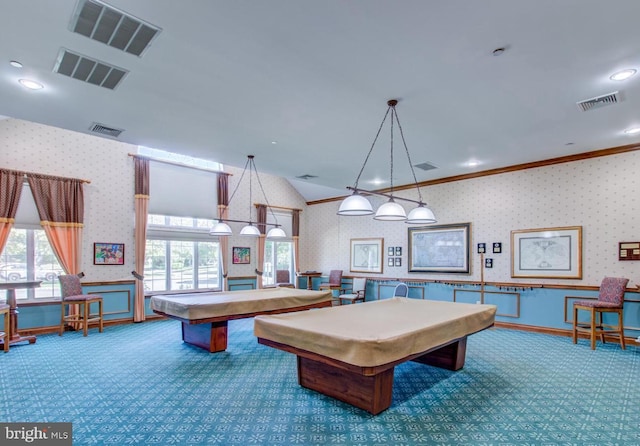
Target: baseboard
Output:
[(559, 332), (107, 323)]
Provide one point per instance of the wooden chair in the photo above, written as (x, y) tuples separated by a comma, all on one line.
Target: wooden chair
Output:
[(610, 300), (357, 294), (401, 290), (4, 335), (282, 279), (72, 295), (334, 283)]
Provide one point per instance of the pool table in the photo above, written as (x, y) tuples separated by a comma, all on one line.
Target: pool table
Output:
[(205, 316), (349, 352)]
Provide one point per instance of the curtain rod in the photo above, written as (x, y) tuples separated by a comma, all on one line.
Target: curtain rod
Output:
[(175, 163), (26, 174)]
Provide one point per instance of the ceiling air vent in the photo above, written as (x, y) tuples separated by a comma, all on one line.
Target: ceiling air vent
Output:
[(104, 23), (105, 130), (88, 70), (425, 166), (307, 176), (600, 101)]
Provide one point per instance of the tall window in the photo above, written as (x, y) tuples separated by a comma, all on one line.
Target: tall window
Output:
[(28, 257), (278, 255), (180, 254)]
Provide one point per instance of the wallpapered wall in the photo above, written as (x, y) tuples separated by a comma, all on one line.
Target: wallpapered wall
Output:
[(602, 195), (109, 215)]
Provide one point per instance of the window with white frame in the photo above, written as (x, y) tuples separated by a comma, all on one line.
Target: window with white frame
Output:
[(181, 255), (279, 252), (28, 256)]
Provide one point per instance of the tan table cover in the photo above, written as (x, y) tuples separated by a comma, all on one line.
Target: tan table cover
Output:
[(193, 306), (378, 332)]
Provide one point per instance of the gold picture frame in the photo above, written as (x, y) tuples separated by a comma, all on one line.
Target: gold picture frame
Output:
[(366, 255), (550, 253)]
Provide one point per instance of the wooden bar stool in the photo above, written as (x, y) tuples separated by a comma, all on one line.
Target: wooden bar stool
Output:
[(72, 295), (610, 300)]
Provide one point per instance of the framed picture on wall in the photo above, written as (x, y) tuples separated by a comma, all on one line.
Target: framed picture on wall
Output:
[(547, 252), (366, 255), (108, 253), (241, 255), (440, 249)]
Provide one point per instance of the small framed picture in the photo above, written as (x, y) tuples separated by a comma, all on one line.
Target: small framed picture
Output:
[(108, 253), (488, 263), (398, 251), (482, 248), (398, 261), (390, 261), (241, 255), (390, 251), (497, 248)]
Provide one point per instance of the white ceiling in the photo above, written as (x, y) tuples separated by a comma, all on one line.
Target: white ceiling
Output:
[(224, 79)]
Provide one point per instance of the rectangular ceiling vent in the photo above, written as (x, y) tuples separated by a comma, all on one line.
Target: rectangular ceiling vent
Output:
[(105, 130), (425, 166), (104, 23), (88, 70), (600, 101), (307, 176)]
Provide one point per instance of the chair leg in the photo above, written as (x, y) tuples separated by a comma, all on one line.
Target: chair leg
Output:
[(61, 330), (601, 326), (593, 329), (575, 325), (6, 332), (85, 322), (621, 329), (100, 314)]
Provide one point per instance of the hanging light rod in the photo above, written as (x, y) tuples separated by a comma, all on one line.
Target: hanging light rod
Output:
[(381, 194), (222, 229), (356, 204), (277, 225)]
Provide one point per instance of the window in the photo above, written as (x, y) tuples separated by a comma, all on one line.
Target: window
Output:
[(28, 257), (180, 254), (278, 255)]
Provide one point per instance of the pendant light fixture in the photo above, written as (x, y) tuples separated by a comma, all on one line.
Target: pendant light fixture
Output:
[(222, 229), (356, 204)]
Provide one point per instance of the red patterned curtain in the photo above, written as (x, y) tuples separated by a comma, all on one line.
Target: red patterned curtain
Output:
[(262, 220), (223, 212), (60, 204), (141, 198), (10, 190)]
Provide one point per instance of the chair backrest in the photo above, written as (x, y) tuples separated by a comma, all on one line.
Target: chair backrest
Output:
[(612, 290), (402, 290), (359, 284), (335, 277), (282, 276), (70, 285)]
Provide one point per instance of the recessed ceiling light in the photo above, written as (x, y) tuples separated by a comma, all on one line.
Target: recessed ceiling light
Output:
[(15, 63), (472, 163), (622, 75), (31, 85), (274, 142), (632, 131)]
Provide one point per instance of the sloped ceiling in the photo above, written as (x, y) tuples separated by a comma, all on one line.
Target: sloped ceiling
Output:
[(303, 85)]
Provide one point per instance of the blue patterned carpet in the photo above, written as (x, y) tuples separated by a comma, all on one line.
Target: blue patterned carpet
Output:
[(139, 384)]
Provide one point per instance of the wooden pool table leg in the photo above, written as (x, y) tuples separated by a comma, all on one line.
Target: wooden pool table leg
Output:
[(450, 356), (371, 393), (211, 336)]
